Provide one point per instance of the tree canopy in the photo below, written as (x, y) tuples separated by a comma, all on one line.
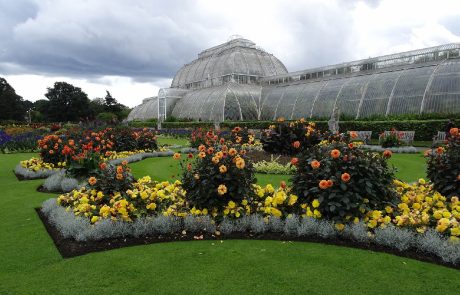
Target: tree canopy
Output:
[(12, 106), (67, 103)]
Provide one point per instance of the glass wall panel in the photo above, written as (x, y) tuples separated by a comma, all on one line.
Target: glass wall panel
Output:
[(324, 104), (302, 108)]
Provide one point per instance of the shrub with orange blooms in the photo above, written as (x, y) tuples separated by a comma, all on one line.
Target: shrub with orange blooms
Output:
[(51, 149), (290, 137), (205, 137), (112, 179), (226, 174), (346, 181), (241, 136), (443, 166)]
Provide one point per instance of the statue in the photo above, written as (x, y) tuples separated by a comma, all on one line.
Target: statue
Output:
[(333, 122)]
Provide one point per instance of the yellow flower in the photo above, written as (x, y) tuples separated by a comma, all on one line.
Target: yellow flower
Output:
[(222, 189), (315, 203), (176, 156), (94, 219), (215, 160), (340, 226), (455, 231), (231, 204), (222, 169), (292, 200), (240, 163), (276, 212), (388, 209)]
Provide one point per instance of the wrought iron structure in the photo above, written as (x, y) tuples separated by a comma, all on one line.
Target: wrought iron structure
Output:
[(239, 81)]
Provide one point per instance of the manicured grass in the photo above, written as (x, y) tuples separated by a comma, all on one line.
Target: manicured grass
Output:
[(411, 167), (30, 264), (163, 140)]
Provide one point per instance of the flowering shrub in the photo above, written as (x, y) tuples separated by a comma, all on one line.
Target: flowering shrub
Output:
[(443, 167), (218, 175), (146, 140), (347, 181), (35, 164), (84, 164), (51, 149), (111, 179), (290, 138), (391, 140), (420, 207), (241, 136), (143, 197), (204, 137)]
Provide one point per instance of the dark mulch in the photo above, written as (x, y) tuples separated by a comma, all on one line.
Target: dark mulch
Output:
[(70, 248), (19, 176), (257, 156)]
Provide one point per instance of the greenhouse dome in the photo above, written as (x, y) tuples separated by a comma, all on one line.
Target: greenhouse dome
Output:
[(239, 81)]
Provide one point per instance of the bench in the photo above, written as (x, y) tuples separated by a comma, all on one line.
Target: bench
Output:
[(405, 136), (363, 135), (440, 137)]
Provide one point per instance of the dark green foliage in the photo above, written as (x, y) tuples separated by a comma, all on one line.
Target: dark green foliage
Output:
[(125, 140), (146, 140), (203, 179), (282, 137), (12, 106), (443, 167), (112, 179), (370, 178), (67, 103), (84, 165)]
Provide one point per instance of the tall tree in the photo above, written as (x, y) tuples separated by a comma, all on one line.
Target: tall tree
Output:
[(12, 106), (67, 103)]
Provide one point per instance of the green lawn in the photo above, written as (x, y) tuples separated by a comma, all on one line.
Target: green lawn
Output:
[(410, 167), (165, 140), (30, 264)]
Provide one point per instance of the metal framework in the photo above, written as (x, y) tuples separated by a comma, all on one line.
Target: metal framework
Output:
[(239, 81)]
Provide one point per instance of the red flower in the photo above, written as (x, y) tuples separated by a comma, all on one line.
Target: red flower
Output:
[(296, 144), (387, 154), (294, 161), (345, 177)]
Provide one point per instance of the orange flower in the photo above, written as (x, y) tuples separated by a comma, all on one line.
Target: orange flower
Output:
[(220, 155), (222, 189), (190, 155), (176, 156), (236, 129), (280, 119), (346, 177), (387, 154), (232, 152), (427, 153), (242, 152), (458, 177), (215, 159), (119, 176), (210, 150), (329, 183), (283, 184), (201, 148), (453, 131), (103, 166), (240, 163), (315, 164), (71, 142), (335, 153), (323, 184), (119, 169), (202, 155), (124, 163), (92, 180), (350, 145), (353, 134), (294, 161), (296, 144), (222, 169), (440, 150)]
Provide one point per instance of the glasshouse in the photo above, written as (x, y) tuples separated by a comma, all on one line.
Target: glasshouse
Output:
[(238, 80)]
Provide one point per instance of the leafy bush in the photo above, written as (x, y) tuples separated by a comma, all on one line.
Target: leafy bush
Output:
[(206, 137), (84, 164), (443, 167), (125, 140), (241, 136), (289, 138), (218, 175), (111, 179), (146, 139), (345, 180), (390, 140), (51, 149)]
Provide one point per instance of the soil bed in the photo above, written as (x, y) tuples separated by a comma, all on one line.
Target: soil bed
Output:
[(257, 156), (68, 247)]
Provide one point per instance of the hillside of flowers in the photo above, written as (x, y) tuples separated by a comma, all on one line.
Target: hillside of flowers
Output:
[(338, 191)]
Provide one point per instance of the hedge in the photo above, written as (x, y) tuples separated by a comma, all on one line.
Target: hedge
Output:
[(424, 129)]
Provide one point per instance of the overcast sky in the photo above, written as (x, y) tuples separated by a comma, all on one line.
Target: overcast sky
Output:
[(134, 47)]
